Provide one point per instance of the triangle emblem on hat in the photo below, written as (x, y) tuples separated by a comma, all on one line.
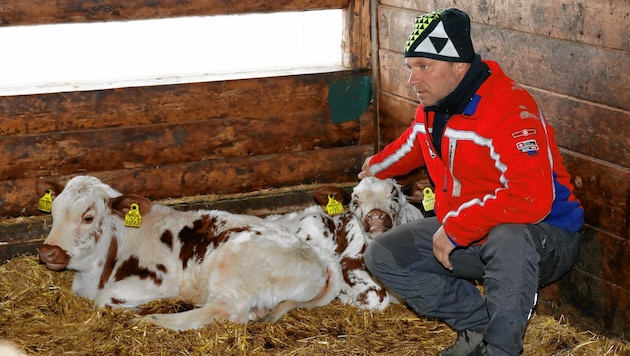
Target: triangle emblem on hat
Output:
[(437, 42)]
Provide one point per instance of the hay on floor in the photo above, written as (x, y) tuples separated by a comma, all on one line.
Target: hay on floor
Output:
[(40, 314)]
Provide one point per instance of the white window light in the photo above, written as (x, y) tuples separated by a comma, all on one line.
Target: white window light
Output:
[(89, 56)]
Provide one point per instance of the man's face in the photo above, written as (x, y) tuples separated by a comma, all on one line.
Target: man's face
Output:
[(433, 80)]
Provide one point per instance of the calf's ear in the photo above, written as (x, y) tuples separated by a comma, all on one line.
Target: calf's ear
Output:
[(321, 194), (413, 192), (120, 205), (43, 185)]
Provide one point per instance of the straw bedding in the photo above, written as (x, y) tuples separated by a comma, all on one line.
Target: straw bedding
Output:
[(39, 313)]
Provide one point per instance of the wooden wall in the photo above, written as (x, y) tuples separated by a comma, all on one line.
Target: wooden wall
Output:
[(574, 57), (172, 141)]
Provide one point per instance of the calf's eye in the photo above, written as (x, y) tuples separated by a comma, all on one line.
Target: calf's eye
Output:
[(88, 219), (395, 195)]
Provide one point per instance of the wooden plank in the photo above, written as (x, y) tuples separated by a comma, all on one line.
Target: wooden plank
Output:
[(396, 115), (357, 39), (588, 312), (591, 129), (595, 294), (591, 301), (585, 72), (8, 252), (598, 23), (394, 75), (582, 126), (604, 256), (28, 12), (604, 191), (218, 176), (394, 27), (66, 152), (152, 105), (368, 124)]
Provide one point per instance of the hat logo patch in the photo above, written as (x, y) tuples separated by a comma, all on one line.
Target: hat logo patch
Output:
[(438, 42)]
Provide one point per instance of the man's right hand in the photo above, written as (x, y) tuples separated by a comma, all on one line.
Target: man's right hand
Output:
[(365, 169)]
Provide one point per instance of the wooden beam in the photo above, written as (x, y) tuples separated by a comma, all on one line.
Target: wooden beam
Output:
[(216, 176), (31, 12), (357, 39)]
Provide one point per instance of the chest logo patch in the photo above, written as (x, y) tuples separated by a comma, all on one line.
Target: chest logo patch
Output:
[(528, 146), (523, 133)]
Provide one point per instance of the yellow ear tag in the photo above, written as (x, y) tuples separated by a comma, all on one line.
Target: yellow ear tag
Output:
[(333, 207), (45, 202), (133, 217), (428, 201)]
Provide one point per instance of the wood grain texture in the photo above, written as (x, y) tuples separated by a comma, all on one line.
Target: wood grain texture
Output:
[(598, 23), (357, 39), (60, 153), (215, 176), (396, 115), (27, 12), (604, 191), (165, 104), (173, 138)]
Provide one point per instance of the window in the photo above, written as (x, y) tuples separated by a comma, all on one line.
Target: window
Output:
[(70, 57)]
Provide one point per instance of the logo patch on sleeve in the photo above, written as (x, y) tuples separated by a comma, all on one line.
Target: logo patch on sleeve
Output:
[(523, 133), (528, 146)]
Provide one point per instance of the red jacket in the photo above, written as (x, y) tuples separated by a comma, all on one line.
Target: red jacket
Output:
[(500, 164)]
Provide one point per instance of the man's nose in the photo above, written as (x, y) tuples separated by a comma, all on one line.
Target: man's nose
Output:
[(414, 77)]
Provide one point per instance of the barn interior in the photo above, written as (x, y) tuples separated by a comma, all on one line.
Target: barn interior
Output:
[(259, 143)]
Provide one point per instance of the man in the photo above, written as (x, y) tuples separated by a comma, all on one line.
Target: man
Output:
[(506, 213)]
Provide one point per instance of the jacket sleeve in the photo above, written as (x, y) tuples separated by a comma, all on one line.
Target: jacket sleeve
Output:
[(524, 192), (400, 156)]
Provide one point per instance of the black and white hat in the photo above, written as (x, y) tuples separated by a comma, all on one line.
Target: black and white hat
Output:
[(443, 35)]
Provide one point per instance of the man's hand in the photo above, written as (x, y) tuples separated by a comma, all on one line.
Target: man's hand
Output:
[(365, 169), (442, 248)]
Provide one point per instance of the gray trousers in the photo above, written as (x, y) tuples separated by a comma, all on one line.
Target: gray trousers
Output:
[(515, 261)]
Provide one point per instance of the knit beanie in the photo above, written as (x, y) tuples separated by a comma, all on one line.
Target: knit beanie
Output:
[(443, 35)]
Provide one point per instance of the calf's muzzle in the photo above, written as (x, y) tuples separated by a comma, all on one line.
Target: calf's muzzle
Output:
[(53, 257), (377, 221)]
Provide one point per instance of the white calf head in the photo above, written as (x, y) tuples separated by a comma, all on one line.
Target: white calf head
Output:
[(79, 214), (381, 205)]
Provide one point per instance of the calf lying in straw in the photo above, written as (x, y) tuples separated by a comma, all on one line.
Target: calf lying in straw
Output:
[(374, 207), (127, 251)]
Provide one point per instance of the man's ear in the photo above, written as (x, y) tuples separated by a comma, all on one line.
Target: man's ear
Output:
[(462, 68), (122, 204)]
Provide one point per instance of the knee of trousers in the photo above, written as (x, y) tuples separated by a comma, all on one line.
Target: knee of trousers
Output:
[(512, 241), (375, 257)]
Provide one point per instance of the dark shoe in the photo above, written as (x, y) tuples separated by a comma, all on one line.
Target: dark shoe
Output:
[(468, 343)]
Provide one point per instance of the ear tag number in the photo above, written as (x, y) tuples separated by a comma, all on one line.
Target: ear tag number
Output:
[(45, 202), (333, 207), (133, 217), (428, 200)]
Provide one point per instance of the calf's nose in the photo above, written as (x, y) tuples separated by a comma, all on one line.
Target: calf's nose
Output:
[(377, 220), (53, 257)]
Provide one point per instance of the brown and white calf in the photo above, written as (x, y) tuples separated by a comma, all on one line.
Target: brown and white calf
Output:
[(375, 206), (234, 267)]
